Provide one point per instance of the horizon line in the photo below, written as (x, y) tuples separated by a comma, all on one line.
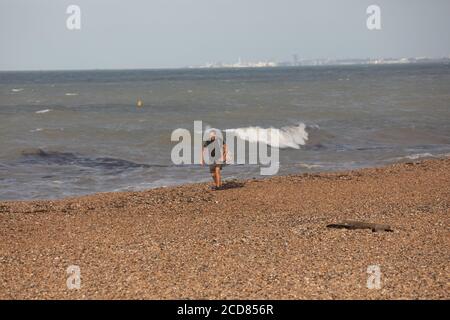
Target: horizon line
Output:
[(200, 67)]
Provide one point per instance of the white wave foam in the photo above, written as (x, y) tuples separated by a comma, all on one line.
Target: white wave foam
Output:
[(416, 156), (309, 166), (71, 94), (419, 155), (17, 90), (43, 111), (286, 137)]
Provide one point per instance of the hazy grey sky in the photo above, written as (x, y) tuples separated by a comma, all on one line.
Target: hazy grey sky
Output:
[(177, 33)]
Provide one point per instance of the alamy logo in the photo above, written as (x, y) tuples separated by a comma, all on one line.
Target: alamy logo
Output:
[(374, 277), (74, 279), (374, 19), (192, 151), (73, 22)]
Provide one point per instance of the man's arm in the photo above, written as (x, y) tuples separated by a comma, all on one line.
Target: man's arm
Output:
[(225, 152), (202, 160)]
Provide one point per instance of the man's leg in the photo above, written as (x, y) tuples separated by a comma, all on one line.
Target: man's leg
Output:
[(212, 170), (218, 177)]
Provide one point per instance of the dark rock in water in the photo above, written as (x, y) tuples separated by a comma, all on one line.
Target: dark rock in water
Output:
[(39, 156), (353, 225)]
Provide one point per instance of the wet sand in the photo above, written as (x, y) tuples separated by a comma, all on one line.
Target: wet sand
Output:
[(257, 239)]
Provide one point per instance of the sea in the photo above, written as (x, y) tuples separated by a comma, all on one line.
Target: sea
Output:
[(71, 133)]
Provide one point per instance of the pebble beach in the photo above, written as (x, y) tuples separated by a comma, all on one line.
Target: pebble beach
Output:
[(255, 239)]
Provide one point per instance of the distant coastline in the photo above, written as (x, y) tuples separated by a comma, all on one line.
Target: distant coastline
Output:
[(264, 64), (319, 62)]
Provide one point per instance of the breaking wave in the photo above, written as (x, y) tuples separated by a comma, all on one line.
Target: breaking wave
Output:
[(287, 137)]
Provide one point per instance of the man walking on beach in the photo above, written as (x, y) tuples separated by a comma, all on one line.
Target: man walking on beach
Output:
[(217, 155)]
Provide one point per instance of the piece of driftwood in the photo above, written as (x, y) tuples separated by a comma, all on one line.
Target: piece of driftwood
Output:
[(352, 225)]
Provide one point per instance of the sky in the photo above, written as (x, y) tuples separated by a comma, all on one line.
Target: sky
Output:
[(133, 34)]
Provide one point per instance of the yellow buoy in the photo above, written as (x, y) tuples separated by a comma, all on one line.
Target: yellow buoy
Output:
[(140, 104)]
